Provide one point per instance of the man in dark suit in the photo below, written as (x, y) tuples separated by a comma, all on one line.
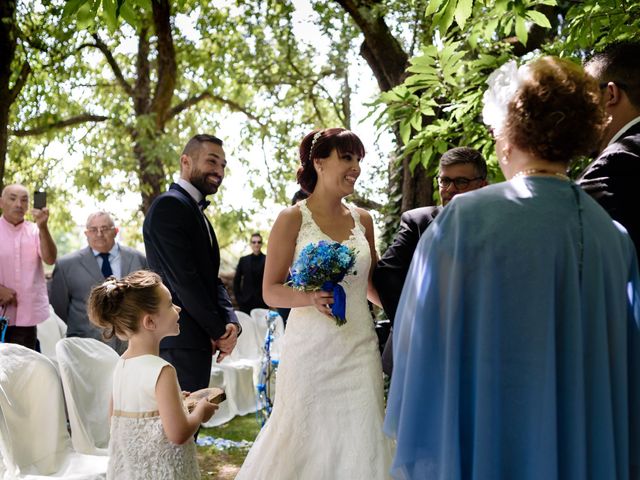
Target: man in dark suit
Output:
[(182, 247), (78, 272), (612, 178), (247, 282), (461, 170)]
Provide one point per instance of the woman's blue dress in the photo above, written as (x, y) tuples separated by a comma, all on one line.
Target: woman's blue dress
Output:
[(517, 341)]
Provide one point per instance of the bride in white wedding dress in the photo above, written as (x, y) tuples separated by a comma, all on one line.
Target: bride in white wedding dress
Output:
[(329, 408)]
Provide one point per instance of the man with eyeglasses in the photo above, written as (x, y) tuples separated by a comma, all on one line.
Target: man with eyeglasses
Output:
[(460, 170), (612, 178), (247, 283), (76, 273)]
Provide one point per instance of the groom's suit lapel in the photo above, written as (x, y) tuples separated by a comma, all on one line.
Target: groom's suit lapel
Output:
[(204, 223)]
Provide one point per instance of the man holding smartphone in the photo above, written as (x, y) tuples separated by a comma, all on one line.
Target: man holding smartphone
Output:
[(23, 247)]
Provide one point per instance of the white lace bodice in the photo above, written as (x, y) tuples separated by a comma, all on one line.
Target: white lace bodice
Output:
[(355, 284)]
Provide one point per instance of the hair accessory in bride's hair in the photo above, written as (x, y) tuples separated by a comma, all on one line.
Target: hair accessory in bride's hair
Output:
[(503, 82), (313, 142)]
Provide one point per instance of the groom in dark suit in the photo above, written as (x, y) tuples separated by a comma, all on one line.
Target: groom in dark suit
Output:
[(461, 170), (182, 247), (612, 178)]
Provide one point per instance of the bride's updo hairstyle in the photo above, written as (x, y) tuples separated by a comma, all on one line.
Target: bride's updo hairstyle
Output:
[(117, 306), (556, 112), (320, 144)]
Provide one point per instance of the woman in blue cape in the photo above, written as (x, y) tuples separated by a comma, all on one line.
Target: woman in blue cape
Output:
[(517, 353)]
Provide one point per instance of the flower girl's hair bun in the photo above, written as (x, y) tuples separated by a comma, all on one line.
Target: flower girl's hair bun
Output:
[(117, 306)]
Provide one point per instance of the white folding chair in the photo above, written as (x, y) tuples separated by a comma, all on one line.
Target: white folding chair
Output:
[(34, 440), (86, 368), (49, 332)]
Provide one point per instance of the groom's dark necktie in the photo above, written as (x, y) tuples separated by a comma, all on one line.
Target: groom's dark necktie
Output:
[(106, 266)]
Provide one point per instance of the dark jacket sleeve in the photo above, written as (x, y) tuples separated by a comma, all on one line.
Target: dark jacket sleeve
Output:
[(171, 249), (392, 268), (237, 281), (612, 181)]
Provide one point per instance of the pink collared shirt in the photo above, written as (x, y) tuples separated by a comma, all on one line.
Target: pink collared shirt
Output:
[(21, 269)]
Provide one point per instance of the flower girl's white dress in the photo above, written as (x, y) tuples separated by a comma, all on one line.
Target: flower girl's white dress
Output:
[(329, 407), (138, 447)]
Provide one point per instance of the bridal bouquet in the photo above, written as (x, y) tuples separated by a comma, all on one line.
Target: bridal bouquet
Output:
[(322, 266)]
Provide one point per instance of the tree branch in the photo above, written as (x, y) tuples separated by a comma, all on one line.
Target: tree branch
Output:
[(69, 122), (190, 102), (100, 45), (365, 203), (22, 79)]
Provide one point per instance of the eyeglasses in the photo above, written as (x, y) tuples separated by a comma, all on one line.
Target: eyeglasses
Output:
[(258, 242), (461, 183), (102, 230)]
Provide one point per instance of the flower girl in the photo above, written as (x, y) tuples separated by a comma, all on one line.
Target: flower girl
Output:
[(151, 430)]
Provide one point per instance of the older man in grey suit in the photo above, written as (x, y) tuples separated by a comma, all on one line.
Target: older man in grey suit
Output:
[(78, 272)]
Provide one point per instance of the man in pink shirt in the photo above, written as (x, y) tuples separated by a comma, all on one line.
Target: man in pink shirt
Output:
[(23, 246)]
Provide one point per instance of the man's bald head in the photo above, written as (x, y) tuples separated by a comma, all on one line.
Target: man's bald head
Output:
[(14, 202)]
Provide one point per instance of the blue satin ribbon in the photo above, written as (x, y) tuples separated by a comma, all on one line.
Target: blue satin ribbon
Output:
[(339, 307)]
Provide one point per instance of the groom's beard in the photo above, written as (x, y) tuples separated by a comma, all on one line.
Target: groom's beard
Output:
[(199, 180)]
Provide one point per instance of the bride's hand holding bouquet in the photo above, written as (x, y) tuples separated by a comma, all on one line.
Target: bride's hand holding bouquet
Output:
[(320, 268)]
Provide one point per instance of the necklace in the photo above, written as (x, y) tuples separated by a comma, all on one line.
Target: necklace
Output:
[(537, 171)]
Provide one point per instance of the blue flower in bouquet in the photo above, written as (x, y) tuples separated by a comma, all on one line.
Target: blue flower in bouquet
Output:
[(322, 266)]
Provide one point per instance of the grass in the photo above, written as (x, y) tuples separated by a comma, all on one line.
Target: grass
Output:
[(224, 465)]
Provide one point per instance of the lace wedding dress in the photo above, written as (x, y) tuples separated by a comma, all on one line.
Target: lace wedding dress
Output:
[(328, 412)]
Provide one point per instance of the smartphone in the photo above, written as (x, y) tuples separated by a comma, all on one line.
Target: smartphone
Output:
[(39, 199)]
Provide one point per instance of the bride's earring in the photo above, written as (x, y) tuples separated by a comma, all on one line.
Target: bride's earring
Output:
[(506, 153)]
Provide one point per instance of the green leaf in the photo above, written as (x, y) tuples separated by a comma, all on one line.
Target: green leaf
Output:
[(129, 15), (538, 18), (405, 131), (110, 8), (72, 6), (415, 160), (416, 121), (463, 11), (446, 18), (433, 7), (521, 30), (85, 16)]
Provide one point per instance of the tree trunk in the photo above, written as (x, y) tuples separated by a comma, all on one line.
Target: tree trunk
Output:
[(389, 62), (151, 171), (7, 53)]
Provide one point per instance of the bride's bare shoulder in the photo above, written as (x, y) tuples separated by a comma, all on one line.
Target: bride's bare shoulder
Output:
[(290, 217)]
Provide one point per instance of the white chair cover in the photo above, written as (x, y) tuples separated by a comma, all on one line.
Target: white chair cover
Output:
[(247, 351), (239, 386), (259, 317), (224, 413), (33, 433), (86, 368), (248, 347), (49, 332)]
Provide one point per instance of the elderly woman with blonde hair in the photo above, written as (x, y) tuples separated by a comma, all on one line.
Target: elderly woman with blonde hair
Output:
[(518, 344)]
